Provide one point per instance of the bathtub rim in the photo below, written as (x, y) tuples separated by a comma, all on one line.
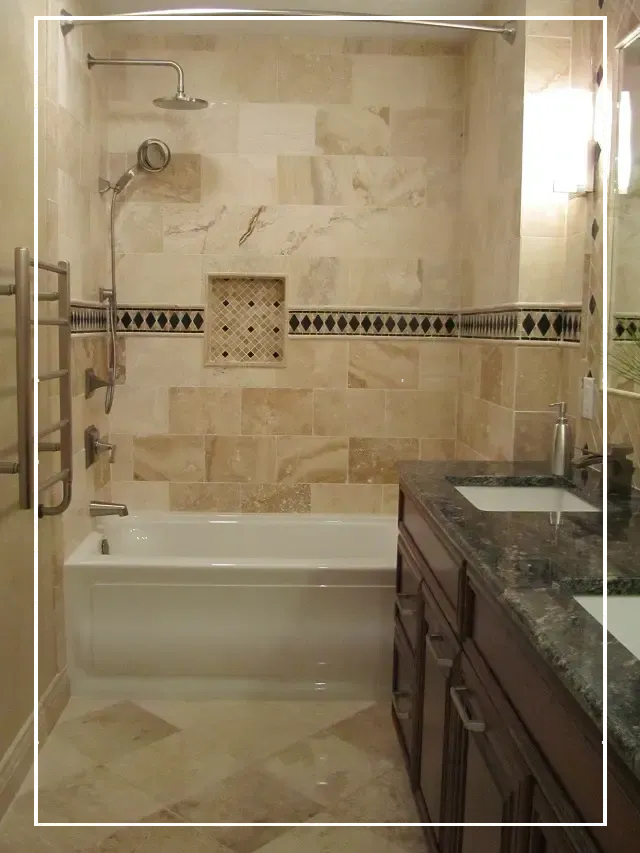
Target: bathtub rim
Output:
[(87, 552)]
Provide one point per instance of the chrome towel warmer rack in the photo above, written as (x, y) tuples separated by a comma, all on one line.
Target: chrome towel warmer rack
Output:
[(24, 370)]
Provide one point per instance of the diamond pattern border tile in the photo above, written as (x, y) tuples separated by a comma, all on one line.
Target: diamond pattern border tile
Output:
[(553, 325), (245, 320), (88, 318), (626, 327)]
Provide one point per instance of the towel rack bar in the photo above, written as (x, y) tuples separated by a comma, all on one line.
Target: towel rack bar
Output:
[(48, 297), (10, 468), (43, 265), (53, 321), (49, 446), (43, 433), (60, 477), (7, 289), (55, 374)]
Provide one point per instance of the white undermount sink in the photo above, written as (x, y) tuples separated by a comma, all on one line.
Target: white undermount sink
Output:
[(524, 499), (623, 617)]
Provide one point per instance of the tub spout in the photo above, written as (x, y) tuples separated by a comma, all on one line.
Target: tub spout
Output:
[(100, 508)]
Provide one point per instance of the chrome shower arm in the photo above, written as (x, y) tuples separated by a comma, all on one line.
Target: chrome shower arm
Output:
[(92, 60)]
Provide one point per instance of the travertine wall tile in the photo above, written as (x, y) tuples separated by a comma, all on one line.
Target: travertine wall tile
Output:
[(312, 460), (354, 199), (240, 459)]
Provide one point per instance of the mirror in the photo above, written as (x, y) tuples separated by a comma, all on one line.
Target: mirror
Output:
[(624, 289)]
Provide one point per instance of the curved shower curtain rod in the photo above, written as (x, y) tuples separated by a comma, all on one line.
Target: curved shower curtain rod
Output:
[(506, 30)]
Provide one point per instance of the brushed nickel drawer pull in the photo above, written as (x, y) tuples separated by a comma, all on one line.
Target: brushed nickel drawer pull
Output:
[(396, 697), (469, 724), (443, 663), (407, 598)]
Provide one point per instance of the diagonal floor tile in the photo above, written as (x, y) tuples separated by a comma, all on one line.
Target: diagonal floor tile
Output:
[(372, 730), (387, 799), (19, 835), (250, 796), (94, 796), (174, 767), (326, 839), (161, 839), (325, 768), (114, 730)]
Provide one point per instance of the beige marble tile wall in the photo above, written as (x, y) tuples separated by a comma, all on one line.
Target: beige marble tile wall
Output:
[(623, 412), (354, 149), (525, 243), (74, 225), (16, 526)]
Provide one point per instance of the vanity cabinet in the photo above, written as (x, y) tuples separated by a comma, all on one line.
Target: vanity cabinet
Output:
[(490, 735)]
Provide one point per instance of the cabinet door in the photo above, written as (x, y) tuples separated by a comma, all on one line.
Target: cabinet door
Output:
[(439, 656), (552, 839), (495, 785), (404, 698), (408, 595)]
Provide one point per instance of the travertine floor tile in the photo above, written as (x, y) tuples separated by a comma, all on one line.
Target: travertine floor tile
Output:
[(174, 767), (372, 730), (114, 730), (94, 796), (161, 839), (251, 796), (325, 839), (387, 799), (325, 768)]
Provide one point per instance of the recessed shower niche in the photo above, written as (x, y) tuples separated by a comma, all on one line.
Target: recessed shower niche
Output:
[(245, 320)]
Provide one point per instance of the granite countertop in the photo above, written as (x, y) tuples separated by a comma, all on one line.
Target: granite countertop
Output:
[(536, 562)]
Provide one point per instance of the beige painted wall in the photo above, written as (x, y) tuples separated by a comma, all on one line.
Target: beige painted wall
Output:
[(16, 229), (354, 149)]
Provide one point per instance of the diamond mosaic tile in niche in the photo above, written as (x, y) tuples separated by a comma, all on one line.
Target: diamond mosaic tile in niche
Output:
[(246, 320)]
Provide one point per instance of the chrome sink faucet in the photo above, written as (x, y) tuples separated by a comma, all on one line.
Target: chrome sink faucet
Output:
[(620, 468), (99, 508)]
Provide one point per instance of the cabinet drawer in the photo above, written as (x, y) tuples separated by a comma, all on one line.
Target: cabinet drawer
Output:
[(565, 736), (404, 698), (409, 599), (444, 564)]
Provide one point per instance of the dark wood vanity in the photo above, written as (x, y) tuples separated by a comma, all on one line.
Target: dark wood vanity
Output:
[(488, 730)]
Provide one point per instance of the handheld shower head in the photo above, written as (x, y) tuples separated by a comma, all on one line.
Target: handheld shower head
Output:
[(153, 156)]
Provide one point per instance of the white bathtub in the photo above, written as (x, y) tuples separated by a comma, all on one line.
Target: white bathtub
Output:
[(232, 605)]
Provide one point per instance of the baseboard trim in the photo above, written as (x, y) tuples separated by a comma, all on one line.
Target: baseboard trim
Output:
[(18, 759)]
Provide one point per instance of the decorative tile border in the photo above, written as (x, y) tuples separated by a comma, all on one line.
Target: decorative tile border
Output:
[(509, 323), (626, 327), (373, 324), (171, 320), (88, 318), (556, 325)]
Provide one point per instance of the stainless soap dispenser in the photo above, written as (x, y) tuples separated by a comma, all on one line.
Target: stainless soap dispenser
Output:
[(562, 447)]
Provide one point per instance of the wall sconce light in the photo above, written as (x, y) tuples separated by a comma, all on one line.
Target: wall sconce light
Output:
[(576, 152)]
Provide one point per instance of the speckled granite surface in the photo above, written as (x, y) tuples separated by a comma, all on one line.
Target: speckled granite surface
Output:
[(536, 563)]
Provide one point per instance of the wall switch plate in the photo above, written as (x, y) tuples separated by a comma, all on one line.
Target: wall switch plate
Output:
[(588, 394)]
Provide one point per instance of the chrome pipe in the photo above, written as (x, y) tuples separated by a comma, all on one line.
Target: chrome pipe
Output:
[(506, 30), (24, 373), (49, 446), (47, 297), (7, 289), (92, 60), (9, 468)]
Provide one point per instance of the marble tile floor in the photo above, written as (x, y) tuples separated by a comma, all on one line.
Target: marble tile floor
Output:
[(182, 762)]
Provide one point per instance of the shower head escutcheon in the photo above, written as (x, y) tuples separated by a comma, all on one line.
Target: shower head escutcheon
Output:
[(179, 101)]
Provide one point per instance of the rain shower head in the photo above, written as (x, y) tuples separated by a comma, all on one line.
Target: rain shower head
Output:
[(180, 101)]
